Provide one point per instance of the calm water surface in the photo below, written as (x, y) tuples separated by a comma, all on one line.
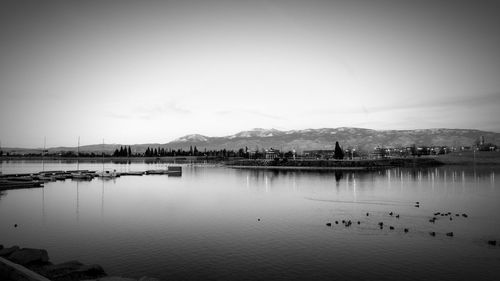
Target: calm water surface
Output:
[(204, 225)]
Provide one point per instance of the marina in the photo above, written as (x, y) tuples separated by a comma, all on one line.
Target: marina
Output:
[(35, 180)]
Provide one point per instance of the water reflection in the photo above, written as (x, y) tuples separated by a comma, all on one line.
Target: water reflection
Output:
[(456, 179), (204, 224)]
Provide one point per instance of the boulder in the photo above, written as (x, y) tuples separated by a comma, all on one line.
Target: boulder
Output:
[(74, 270), (112, 278), (8, 251), (93, 270), (145, 278), (26, 256), (61, 269)]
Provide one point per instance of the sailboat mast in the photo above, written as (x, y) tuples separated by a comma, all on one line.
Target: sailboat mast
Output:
[(43, 153), (103, 156), (78, 154)]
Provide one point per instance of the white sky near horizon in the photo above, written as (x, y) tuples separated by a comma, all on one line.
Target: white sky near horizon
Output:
[(151, 71)]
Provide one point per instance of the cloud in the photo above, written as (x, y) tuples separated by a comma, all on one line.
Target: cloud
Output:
[(249, 112), (149, 112)]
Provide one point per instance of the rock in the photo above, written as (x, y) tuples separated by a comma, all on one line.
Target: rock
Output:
[(258, 219), (87, 271), (449, 234), (61, 269), (74, 270), (114, 278), (26, 256), (418, 206), (145, 278), (7, 251), (328, 224), (492, 242)]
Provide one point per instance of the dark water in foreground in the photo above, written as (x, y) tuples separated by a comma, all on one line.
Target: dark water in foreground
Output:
[(204, 225)]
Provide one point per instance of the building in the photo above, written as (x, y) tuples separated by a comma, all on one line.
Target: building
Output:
[(271, 153)]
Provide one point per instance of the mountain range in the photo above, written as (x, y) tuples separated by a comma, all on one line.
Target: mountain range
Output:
[(308, 139)]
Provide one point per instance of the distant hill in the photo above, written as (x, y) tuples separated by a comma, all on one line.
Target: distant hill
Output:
[(309, 139), (325, 138)]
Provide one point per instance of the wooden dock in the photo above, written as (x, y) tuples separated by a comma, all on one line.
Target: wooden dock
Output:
[(33, 180)]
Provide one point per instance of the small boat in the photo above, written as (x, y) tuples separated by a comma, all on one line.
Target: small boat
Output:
[(108, 174), (156, 172), (81, 176), (132, 173)]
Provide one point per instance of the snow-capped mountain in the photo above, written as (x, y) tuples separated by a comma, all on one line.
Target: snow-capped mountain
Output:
[(325, 138), (307, 139)]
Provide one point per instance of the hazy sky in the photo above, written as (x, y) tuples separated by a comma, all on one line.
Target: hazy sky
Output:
[(151, 71)]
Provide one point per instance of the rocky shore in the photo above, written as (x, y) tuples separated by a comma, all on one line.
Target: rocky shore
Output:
[(28, 264)]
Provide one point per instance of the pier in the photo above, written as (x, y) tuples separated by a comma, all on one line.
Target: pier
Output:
[(36, 180)]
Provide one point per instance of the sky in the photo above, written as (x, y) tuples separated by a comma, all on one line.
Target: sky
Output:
[(151, 71)]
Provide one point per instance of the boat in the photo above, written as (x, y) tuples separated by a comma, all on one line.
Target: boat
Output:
[(108, 174)]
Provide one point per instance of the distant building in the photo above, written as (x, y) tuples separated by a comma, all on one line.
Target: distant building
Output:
[(271, 153), (319, 154)]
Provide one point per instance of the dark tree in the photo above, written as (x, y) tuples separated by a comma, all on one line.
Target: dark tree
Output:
[(338, 153), (129, 151)]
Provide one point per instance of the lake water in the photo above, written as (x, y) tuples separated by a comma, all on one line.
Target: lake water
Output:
[(205, 225)]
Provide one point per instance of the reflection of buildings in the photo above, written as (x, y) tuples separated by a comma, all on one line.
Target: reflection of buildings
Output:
[(441, 179)]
